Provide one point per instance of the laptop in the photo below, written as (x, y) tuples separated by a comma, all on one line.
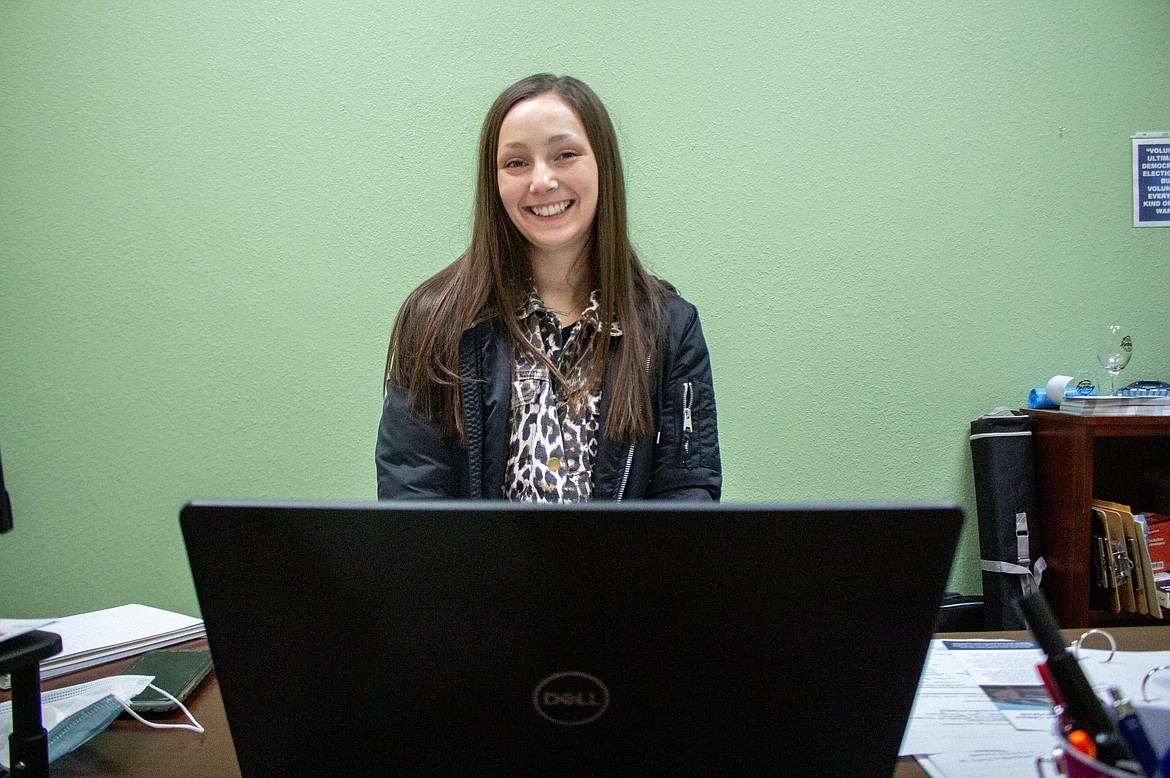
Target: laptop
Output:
[(500, 638)]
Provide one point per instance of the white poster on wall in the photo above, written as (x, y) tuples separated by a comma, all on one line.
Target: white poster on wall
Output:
[(1151, 179)]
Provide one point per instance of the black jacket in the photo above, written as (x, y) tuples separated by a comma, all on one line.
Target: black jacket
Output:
[(414, 459)]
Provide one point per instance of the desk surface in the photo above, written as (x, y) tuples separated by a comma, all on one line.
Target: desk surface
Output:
[(128, 748)]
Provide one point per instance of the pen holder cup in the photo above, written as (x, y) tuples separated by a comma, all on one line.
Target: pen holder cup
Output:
[(1068, 761)]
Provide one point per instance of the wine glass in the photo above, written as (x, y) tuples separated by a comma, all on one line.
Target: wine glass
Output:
[(1114, 348)]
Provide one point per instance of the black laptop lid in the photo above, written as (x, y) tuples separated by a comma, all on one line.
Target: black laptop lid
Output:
[(501, 638)]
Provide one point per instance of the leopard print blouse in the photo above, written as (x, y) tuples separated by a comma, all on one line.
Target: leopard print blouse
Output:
[(551, 451)]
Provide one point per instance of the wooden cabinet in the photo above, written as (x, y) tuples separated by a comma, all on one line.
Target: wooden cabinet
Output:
[(1079, 459)]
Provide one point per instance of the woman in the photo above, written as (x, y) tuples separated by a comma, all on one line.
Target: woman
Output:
[(545, 364)]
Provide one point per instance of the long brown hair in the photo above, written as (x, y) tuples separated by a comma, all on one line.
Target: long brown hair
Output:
[(491, 279)]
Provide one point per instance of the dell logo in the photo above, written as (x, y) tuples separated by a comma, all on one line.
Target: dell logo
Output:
[(550, 699), (570, 698)]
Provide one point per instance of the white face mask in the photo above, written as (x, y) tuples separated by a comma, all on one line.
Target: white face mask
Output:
[(75, 714)]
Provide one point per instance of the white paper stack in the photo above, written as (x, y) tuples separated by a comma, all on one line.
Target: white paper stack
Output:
[(89, 639), (10, 628), (1117, 405)]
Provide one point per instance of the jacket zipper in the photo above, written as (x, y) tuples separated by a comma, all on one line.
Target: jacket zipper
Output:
[(629, 455), (687, 423)]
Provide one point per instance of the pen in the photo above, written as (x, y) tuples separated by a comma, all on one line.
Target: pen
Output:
[(1084, 710), (1054, 694), (1050, 686), (1132, 732)]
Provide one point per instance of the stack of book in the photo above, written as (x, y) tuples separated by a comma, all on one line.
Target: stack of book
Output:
[(90, 639), (1116, 405)]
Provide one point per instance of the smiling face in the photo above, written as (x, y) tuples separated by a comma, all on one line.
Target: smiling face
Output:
[(547, 175)]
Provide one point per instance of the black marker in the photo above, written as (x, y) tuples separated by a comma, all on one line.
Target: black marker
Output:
[(1080, 703)]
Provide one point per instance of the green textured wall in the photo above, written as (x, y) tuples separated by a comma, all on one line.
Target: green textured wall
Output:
[(892, 216)]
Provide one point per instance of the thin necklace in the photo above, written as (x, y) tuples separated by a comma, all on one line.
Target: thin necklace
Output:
[(573, 312), (576, 309)]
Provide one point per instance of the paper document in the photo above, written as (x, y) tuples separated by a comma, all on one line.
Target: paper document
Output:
[(953, 713), (89, 639), (1006, 672), (1127, 670), (981, 708), (10, 628)]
